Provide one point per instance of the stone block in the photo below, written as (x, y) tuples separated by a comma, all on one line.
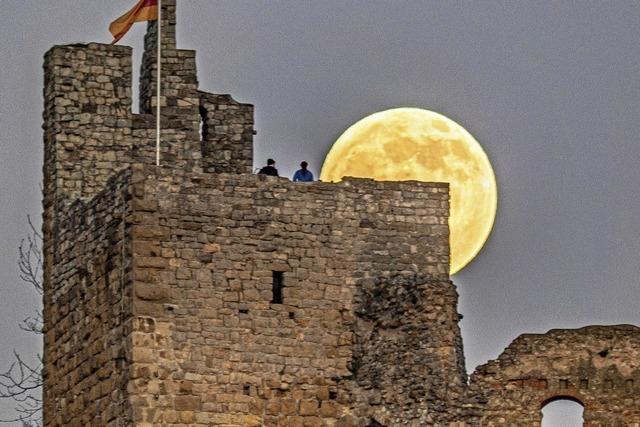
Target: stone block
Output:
[(187, 403)]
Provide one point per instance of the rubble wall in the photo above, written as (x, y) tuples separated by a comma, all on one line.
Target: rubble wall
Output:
[(597, 366), (408, 357)]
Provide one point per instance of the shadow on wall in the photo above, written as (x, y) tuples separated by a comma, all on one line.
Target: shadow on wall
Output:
[(562, 412)]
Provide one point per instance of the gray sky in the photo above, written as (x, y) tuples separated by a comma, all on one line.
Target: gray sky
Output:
[(550, 89)]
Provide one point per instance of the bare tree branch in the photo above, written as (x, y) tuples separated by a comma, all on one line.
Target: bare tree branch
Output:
[(30, 258), (22, 381)]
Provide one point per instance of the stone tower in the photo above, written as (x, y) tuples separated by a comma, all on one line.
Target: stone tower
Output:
[(196, 293)]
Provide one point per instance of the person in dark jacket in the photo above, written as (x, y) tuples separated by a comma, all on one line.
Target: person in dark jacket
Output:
[(269, 169), (303, 175)]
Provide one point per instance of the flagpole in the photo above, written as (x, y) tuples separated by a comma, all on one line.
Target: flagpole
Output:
[(159, 71)]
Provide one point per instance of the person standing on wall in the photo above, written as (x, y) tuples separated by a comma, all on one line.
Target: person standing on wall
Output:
[(270, 169), (303, 175)]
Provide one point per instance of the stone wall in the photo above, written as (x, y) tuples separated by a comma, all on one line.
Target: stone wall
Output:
[(222, 128), (159, 303), (408, 357), (87, 121), (90, 136), (217, 349), (227, 134), (596, 366), (87, 310)]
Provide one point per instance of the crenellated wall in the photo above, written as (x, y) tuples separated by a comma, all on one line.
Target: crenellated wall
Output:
[(90, 132)]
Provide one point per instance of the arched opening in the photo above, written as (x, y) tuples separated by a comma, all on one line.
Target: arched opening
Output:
[(562, 411)]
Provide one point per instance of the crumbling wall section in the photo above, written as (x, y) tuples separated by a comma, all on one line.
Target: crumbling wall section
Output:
[(220, 129), (598, 366), (408, 357), (180, 141)]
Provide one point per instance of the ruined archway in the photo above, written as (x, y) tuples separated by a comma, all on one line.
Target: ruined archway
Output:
[(596, 367)]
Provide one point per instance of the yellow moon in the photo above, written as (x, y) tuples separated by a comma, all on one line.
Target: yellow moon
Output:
[(416, 144)]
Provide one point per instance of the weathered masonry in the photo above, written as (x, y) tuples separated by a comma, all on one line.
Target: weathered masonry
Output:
[(198, 294), (597, 366)]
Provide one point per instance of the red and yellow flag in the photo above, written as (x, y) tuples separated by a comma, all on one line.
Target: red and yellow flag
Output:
[(145, 10)]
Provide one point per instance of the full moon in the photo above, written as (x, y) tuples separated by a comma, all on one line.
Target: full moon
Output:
[(414, 144)]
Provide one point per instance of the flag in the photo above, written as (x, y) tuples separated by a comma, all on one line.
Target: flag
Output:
[(145, 10)]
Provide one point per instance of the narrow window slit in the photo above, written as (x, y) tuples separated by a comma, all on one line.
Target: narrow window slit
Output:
[(204, 127), (278, 286)]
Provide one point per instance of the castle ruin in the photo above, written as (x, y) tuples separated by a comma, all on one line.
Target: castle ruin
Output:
[(198, 294)]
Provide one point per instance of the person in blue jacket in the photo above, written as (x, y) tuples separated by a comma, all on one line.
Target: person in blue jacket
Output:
[(303, 175)]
